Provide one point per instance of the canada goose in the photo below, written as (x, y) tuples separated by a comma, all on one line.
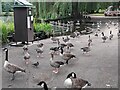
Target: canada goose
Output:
[(66, 56), (55, 64), (66, 39), (68, 47), (111, 35), (62, 45), (40, 45), (43, 85), (39, 52), (102, 34), (96, 34), (54, 39), (26, 58), (11, 68), (35, 64), (70, 44), (54, 49), (25, 48), (72, 35), (73, 82), (118, 34), (89, 44), (77, 33), (104, 38), (108, 27), (85, 49), (89, 40)]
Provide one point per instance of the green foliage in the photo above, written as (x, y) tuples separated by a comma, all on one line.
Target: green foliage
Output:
[(6, 29), (10, 27), (43, 27), (4, 32), (52, 10), (7, 6), (0, 31)]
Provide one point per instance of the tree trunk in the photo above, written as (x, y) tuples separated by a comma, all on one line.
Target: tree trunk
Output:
[(37, 9), (75, 14), (0, 7)]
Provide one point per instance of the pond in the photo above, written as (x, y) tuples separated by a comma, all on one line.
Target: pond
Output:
[(64, 29)]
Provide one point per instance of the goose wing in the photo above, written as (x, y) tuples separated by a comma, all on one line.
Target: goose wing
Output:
[(39, 50), (85, 49), (79, 83), (54, 39), (12, 68), (59, 62), (54, 64), (70, 44), (40, 45)]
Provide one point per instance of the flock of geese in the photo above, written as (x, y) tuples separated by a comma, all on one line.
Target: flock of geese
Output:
[(63, 50)]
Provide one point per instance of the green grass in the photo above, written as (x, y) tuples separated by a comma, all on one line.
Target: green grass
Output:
[(97, 14)]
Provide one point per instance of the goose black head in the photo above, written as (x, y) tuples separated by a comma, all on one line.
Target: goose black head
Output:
[(37, 62), (119, 31), (102, 33), (52, 55), (5, 49), (89, 36), (110, 32), (43, 85), (73, 56), (61, 50), (72, 74), (42, 44)]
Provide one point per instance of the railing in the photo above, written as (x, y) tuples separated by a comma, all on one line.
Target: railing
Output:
[(61, 28)]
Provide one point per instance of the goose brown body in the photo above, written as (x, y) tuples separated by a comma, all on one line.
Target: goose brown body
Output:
[(11, 68), (73, 82)]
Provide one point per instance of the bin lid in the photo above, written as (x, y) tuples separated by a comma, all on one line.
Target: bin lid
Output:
[(22, 3)]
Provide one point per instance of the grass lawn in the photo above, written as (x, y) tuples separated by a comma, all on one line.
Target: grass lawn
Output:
[(97, 14)]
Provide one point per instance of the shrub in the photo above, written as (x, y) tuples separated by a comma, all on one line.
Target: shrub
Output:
[(10, 27), (4, 33), (6, 28), (43, 27)]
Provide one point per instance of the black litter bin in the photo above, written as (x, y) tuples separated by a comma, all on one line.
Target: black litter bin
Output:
[(23, 22)]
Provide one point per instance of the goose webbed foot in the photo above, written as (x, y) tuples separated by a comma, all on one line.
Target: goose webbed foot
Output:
[(38, 56), (26, 62), (56, 70)]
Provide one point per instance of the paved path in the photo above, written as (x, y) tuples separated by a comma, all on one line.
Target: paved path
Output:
[(100, 67)]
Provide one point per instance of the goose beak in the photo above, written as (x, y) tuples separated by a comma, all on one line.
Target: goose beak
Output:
[(89, 84), (38, 84)]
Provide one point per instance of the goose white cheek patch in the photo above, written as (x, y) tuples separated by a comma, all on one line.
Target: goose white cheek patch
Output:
[(42, 85), (73, 75)]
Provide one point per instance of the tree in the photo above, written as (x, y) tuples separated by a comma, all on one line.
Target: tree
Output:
[(0, 7)]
